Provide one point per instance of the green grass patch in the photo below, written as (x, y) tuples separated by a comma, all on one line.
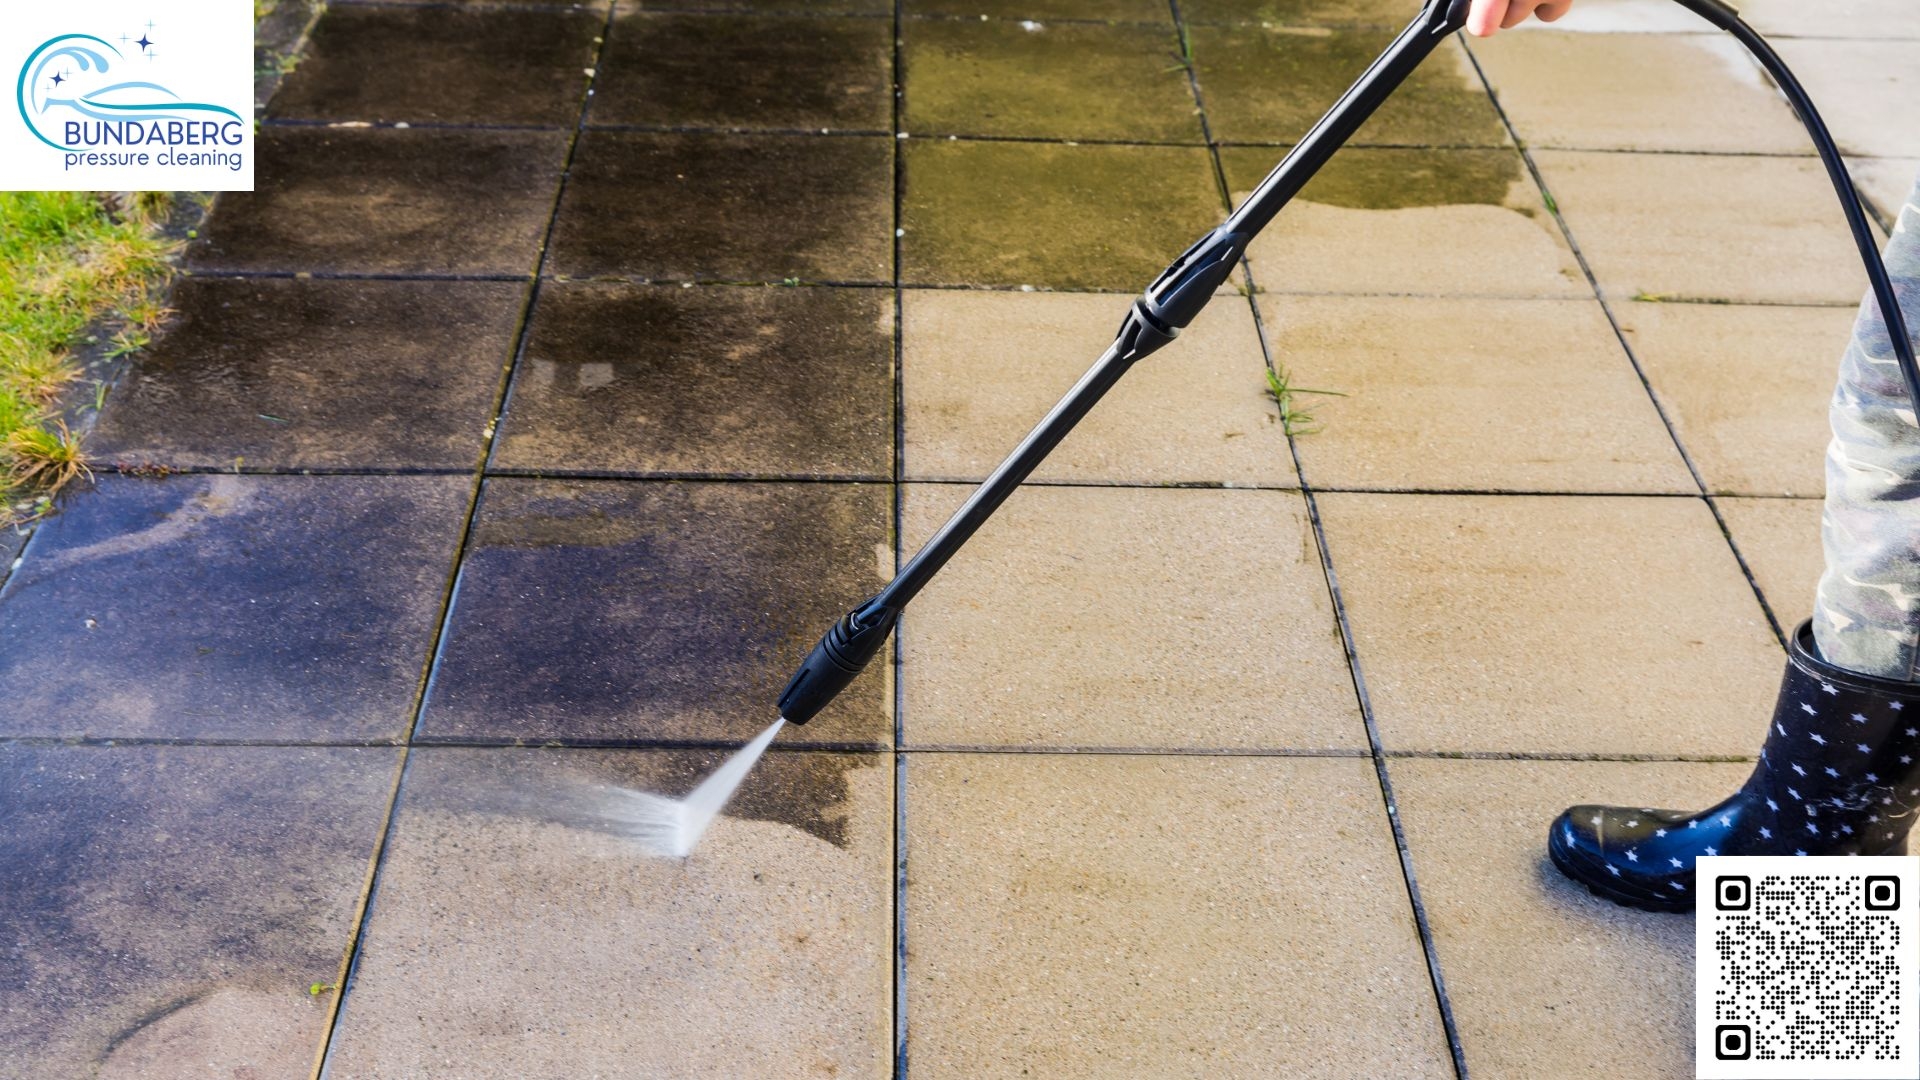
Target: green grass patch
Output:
[(1294, 420), (67, 259)]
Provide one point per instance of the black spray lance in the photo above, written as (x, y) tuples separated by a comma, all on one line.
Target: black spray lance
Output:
[(1178, 294)]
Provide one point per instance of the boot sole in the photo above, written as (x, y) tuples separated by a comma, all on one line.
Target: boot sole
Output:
[(1575, 873)]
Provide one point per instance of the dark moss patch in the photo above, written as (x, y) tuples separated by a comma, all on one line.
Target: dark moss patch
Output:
[(653, 379), (728, 207), (450, 65), (1395, 14), (620, 612), (1060, 80), (1266, 85), (267, 607), (1391, 179), (746, 71), (1050, 215), (383, 200), (142, 879), (316, 374)]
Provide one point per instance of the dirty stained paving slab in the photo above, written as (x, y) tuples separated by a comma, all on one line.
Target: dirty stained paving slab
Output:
[(1121, 915), (1135, 11), (746, 208), (295, 608), (1470, 394), (595, 611), (167, 908), (1033, 636), (1464, 607), (1040, 80), (1271, 85), (516, 932), (1539, 970), (1307, 14), (1050, 216), (1392, 220), (1198, 412), (716, 380), (744, 71), (452, 201), (444, 65), (279, 373), (1746, 387)]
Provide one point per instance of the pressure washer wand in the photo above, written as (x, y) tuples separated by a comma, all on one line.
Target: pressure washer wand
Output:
[(1155, 319)]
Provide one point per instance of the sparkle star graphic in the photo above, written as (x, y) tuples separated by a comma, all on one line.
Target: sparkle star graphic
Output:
[(144, 43), (58, 78)]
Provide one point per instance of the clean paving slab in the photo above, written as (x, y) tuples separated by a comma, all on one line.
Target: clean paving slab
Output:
[(1707, 227), (284, 608), (1583, 91), (1780, 540), (1388, 220), (1545, 978), (1745, 386), (1866, 91), (169, 908), (1134, 916), (518, 932), (1198, 412), (1551, 624), (1470, 394), (279, 373), (1155, 618), (1888, 184)]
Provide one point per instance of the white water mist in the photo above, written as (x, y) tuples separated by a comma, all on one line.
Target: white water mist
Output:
[(671, 827)]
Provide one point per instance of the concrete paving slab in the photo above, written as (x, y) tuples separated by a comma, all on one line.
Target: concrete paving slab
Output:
[(1455, 394), (1745, 386), (650, 380), (287, 608), (168, 908), (1140, 11), (449, 201), (1887, 183), (273, 373), (759, 208), (1119, 915), (601, 611), (517, 933), (1539, 624), (1126, 617), (1780, 539), (1300, 13), (1864, 90), (1197, 412), (444, 65)]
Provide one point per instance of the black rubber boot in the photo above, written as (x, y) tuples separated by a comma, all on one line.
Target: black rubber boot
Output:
[(1839, 775)]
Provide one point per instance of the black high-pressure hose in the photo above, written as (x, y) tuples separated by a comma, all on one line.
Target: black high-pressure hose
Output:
[(1178, 294)]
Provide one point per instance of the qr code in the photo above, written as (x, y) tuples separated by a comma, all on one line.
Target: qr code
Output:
[(1806, 967)]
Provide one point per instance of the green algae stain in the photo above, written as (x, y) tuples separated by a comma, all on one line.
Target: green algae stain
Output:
[(1270, 85), (1050, 215), (1040, 80), (1393, 179)]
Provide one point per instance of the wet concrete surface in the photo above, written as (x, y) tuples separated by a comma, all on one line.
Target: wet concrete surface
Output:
[(649, 379), (1047, 80), (745, 71), (1051, 215), (745, 208), (609, 612), (1146, 11), (514, 935), (166, 909), (443, 65), (386, 200), (285, 607), (1271, 85), (278, 373), (1302, 13)]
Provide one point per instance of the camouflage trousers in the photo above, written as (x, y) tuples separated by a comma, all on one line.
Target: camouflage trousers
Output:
[(1867, 614)]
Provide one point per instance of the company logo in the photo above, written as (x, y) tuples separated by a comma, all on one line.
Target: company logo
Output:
[(129, 94)]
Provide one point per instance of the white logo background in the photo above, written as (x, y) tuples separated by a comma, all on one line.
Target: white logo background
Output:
[(142, 95)]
